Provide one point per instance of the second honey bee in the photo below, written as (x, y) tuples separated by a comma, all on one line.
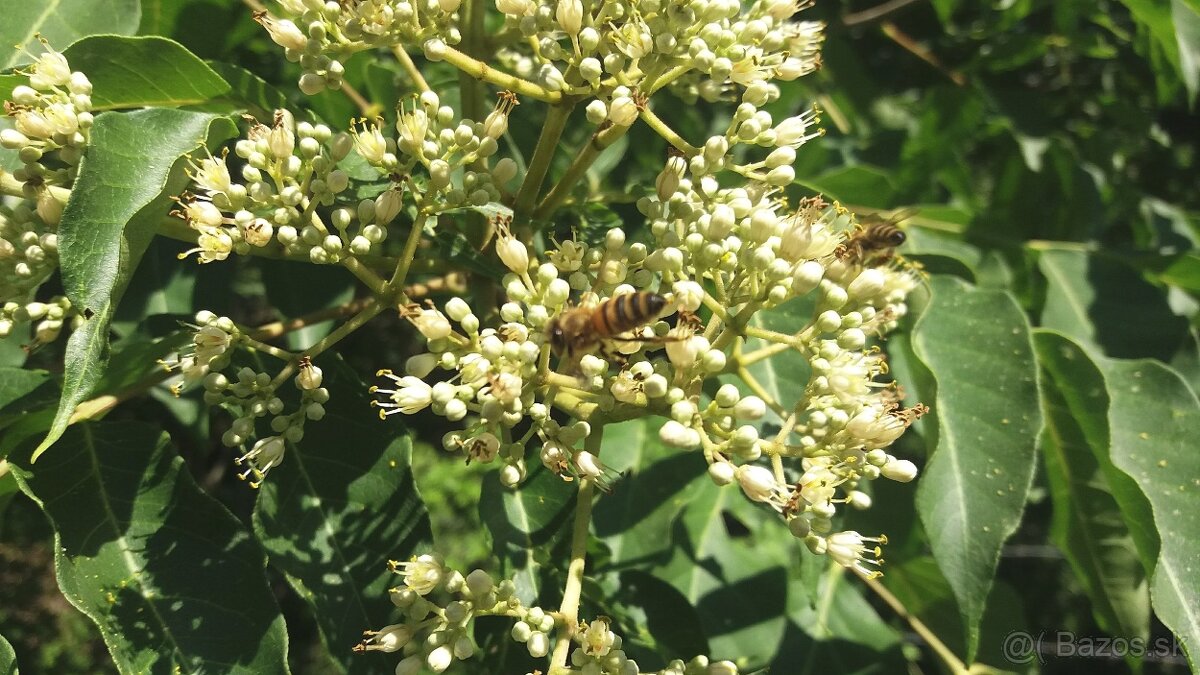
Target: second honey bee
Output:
[(580, 330), (872, 241)]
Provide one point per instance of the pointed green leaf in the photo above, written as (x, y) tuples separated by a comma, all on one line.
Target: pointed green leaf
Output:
[(1154, 421), (525, 523), (8, 658), (976, 344), (172, 579), (133, 164), (635, 521), (61, 22), (840, 633), (1107, 305), (339, 507), (1088, 525), (737, 582), (143, 72)]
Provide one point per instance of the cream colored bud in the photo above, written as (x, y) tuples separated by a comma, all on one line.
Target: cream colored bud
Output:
[(570, 16)]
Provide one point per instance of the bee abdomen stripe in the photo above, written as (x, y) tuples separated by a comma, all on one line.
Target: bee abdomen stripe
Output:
[(623, 313)]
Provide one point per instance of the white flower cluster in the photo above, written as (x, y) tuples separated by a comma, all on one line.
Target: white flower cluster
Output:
[(449, 150), (320, 35), (51, 123), (439, 606), (290, 169), (249, 395), (52, 114), (585, 46), (294, 193)]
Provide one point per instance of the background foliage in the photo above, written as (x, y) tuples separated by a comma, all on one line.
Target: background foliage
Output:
[(1045, 154)]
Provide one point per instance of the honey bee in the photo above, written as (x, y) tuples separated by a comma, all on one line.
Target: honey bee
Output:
[(581, 330), (875, 239)]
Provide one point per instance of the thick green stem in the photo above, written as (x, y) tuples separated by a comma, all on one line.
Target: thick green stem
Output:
[(471, 89), (373, 308), (406, 257), (660, 127), (600, 141), (483, 71), (539, 164), (579, 540), (947, 656), (410, 68)]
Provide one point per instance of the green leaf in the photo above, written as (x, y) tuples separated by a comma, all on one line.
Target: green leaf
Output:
[(172, 579), (22, 392), (1107, 306), (721, 552), (61, 22), (840, 633), (143, 72), (1154, 421), (635, 521), (8, 658), (1182, 271), (296, 288), (249, 91), (525, 523), (339, 507), (134, 162), (1087, 524), (861, 185), (1187, 37), (17, 383), (976, 344)]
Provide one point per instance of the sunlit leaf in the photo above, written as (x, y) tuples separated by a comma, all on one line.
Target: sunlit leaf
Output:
[(172, 579), (144, 72), (971, 496), (339, 507), (132, 166), (526, 523), (61, 22), (1088, 524), (1107, 305), (1154, 421)]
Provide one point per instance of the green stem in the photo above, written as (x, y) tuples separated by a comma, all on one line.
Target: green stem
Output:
[(410, 68), (764, 353), (662, 129), (579, 540), (281, 354), (486, 73), (406, 257), (948, 657), (471, 89), (372, 280), (373, 308), (601, 140), (539, 164), (770, 335)]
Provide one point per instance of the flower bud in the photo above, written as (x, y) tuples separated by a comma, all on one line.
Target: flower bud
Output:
[(596, 111), (750, 408), (569, 14), (900, 470), (623, 111), (721, 473), (677, 435), (309, 377), (513, 253), (867, 284), (757, 482)]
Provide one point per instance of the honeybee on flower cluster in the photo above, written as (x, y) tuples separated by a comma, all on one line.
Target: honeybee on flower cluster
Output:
[(583, 329), (874, 240)]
